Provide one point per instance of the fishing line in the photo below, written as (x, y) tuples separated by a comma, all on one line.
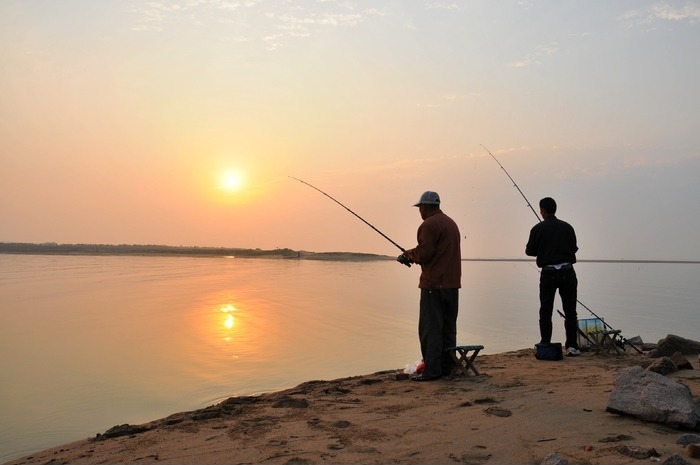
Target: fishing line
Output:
[(624, 341), (358, 216)]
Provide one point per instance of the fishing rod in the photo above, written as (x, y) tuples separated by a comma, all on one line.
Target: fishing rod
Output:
[(358, 216), (624, 341), (516, 186), (580, 332)]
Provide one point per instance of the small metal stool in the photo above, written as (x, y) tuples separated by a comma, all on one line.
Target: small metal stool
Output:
[(463, 360), (606, 341)]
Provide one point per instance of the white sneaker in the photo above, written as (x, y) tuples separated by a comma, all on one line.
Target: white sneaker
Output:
[(572, 352)]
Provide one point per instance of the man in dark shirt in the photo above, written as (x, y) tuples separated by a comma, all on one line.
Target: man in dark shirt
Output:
[(553, 242), (438, 253)]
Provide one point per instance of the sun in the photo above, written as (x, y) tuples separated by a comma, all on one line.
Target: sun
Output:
[(231, 181)]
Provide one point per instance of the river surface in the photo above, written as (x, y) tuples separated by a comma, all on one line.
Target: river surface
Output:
[(90, 342)]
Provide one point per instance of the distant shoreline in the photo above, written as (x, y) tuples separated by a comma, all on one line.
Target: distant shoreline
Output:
[(52, 248)]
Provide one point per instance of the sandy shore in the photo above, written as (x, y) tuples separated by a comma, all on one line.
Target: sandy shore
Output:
[(516, 412)]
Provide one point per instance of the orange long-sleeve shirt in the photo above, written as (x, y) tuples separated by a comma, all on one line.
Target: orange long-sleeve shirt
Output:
[(438, 253)]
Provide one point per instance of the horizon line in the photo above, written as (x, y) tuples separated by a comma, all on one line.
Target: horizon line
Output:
[(36, 248)]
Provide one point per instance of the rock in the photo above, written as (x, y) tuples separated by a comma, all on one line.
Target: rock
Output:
[(681, 362), (291, 402), (637, 452), (662, 366), (672, 344), (498, 411), (675, 459), (652, 397), (649, 346), (692, 451), (616, 438), (636, 341), (553, 459), (688, 439), (122, 430)]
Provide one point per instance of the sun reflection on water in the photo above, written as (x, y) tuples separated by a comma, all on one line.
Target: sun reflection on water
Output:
[(229, 321), (233, 324)]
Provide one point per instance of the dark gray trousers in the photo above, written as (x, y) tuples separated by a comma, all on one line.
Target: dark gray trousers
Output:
[(437, 329)]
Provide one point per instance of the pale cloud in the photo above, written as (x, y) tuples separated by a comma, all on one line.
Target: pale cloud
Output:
[(535, 58), (300, 25), (442, 6), (153, 15), (273, 42), (526, 5), (449, 99), (232, 6), (610, 161), (690, 12), (520, 64), (150, 16), (325, 19), (378, 13), (273, 23), (429, 105)]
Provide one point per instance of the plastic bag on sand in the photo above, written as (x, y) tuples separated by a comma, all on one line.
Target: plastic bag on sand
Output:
[(416, 367)]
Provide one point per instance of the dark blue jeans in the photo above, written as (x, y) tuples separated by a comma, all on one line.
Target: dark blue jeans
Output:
[(437, 329), (564, 280)]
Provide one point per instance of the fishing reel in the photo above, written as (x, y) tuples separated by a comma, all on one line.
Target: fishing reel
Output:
[(404, 260)]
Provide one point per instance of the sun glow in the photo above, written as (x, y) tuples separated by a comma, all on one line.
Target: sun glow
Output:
[(231, 181)]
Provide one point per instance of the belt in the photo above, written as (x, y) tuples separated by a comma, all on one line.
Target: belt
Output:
[(565, 266)]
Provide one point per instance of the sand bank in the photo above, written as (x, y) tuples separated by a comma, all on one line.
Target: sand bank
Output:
[(517, 411)]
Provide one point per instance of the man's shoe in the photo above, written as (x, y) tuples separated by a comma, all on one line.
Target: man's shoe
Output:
[(424, 378), (572, 352)]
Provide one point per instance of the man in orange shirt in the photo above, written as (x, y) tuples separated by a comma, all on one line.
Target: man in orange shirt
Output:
[(439, 256)]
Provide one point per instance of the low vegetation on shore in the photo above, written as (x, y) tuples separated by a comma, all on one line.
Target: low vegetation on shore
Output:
[(166, 250)]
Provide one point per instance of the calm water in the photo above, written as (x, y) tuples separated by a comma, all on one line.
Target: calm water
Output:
[(91, 342)]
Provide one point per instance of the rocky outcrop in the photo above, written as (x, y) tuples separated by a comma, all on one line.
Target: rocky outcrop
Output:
[(663, 366), (672, 344), (652, 397), (681, 361)]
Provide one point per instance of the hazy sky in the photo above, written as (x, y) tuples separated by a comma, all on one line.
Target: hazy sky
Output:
[(180, 122)]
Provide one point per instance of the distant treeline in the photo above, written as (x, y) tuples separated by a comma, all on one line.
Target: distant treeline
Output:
[(166, 250)]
